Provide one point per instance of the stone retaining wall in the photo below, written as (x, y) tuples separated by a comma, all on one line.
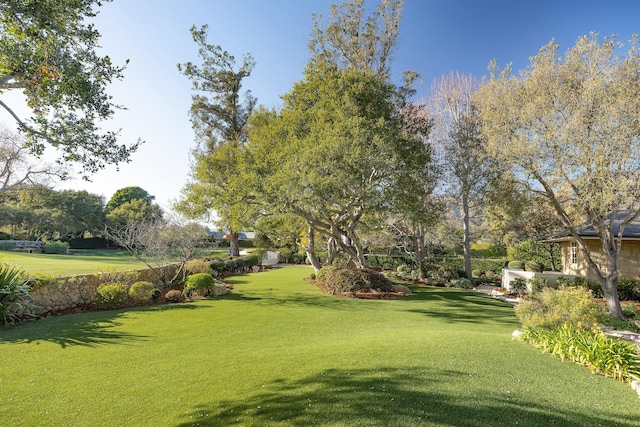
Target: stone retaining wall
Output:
[(78, 291)]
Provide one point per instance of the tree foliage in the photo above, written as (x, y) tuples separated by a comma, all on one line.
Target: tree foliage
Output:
[(571, 125), (39, 212), (130, 204), (48, 52), (219, 117), (337, 151), (351, 39)]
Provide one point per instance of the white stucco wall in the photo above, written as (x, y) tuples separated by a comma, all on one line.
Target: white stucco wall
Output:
[(508, 275)]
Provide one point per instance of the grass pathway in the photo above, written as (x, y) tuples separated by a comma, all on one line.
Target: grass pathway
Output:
[(278, 352)]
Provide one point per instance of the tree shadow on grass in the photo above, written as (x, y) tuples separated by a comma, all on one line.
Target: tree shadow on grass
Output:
[(387, 397), (85, 329), (463, 306)]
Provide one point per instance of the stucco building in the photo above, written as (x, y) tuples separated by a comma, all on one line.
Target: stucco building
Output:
[(574, 261)]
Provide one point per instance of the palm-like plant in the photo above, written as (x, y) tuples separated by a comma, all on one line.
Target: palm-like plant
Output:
[(14, 293)]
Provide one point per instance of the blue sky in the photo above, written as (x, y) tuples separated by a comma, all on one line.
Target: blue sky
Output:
[(436, 37)]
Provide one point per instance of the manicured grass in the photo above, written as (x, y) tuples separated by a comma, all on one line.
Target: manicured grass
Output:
[(90, 261), (278, 352)]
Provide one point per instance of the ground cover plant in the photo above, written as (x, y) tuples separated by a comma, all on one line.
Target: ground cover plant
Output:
[(278, 351)]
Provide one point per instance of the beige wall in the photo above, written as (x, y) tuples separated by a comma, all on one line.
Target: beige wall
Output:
[(629, 262)]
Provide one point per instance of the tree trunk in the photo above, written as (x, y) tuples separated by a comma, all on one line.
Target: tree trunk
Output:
[(609, 287), (310, 249), (234, 244), (332, 250), (550, 251), (420, 251), (467, 236)]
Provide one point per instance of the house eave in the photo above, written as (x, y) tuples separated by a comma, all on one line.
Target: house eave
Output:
[(570, 238)]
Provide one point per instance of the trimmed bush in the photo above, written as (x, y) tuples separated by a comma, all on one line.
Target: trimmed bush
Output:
[(552, 308), (174, 295), (516, 265), (486, 265), (7, 246), (533, 266), (345, 279), (56, 247), (389, 262), (141, 291), (111, 295), (200, 284), (476, 274), (252, 260)]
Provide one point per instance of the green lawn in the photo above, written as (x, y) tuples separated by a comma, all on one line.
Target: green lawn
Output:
[(278, 352), (90, 261)]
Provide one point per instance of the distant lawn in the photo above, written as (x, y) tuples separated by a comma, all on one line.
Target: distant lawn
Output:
[(90, 261), (278, 352)]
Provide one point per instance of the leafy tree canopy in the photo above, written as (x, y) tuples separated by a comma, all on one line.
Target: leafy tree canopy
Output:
[(48, 52)]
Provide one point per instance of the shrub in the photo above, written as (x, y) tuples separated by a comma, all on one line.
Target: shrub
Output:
[(252, 260), (200, 284), (584, 283), (174, 295), (462, 283), (14, 292), (630, 309), (322, 274), (403, 268), (155, 294), (56, 247), (345, 279), (533, 266), (111, 295), (628, 290), (490, 274), (487, 250), (552, 308), (7, 246), (141, 291), (217, 265), (199, 265), (591, 348), (516, 265), (519, 286), (538, 284), (476, 274), (563, 283), (389, 262), (532, 250), (486, 265)]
